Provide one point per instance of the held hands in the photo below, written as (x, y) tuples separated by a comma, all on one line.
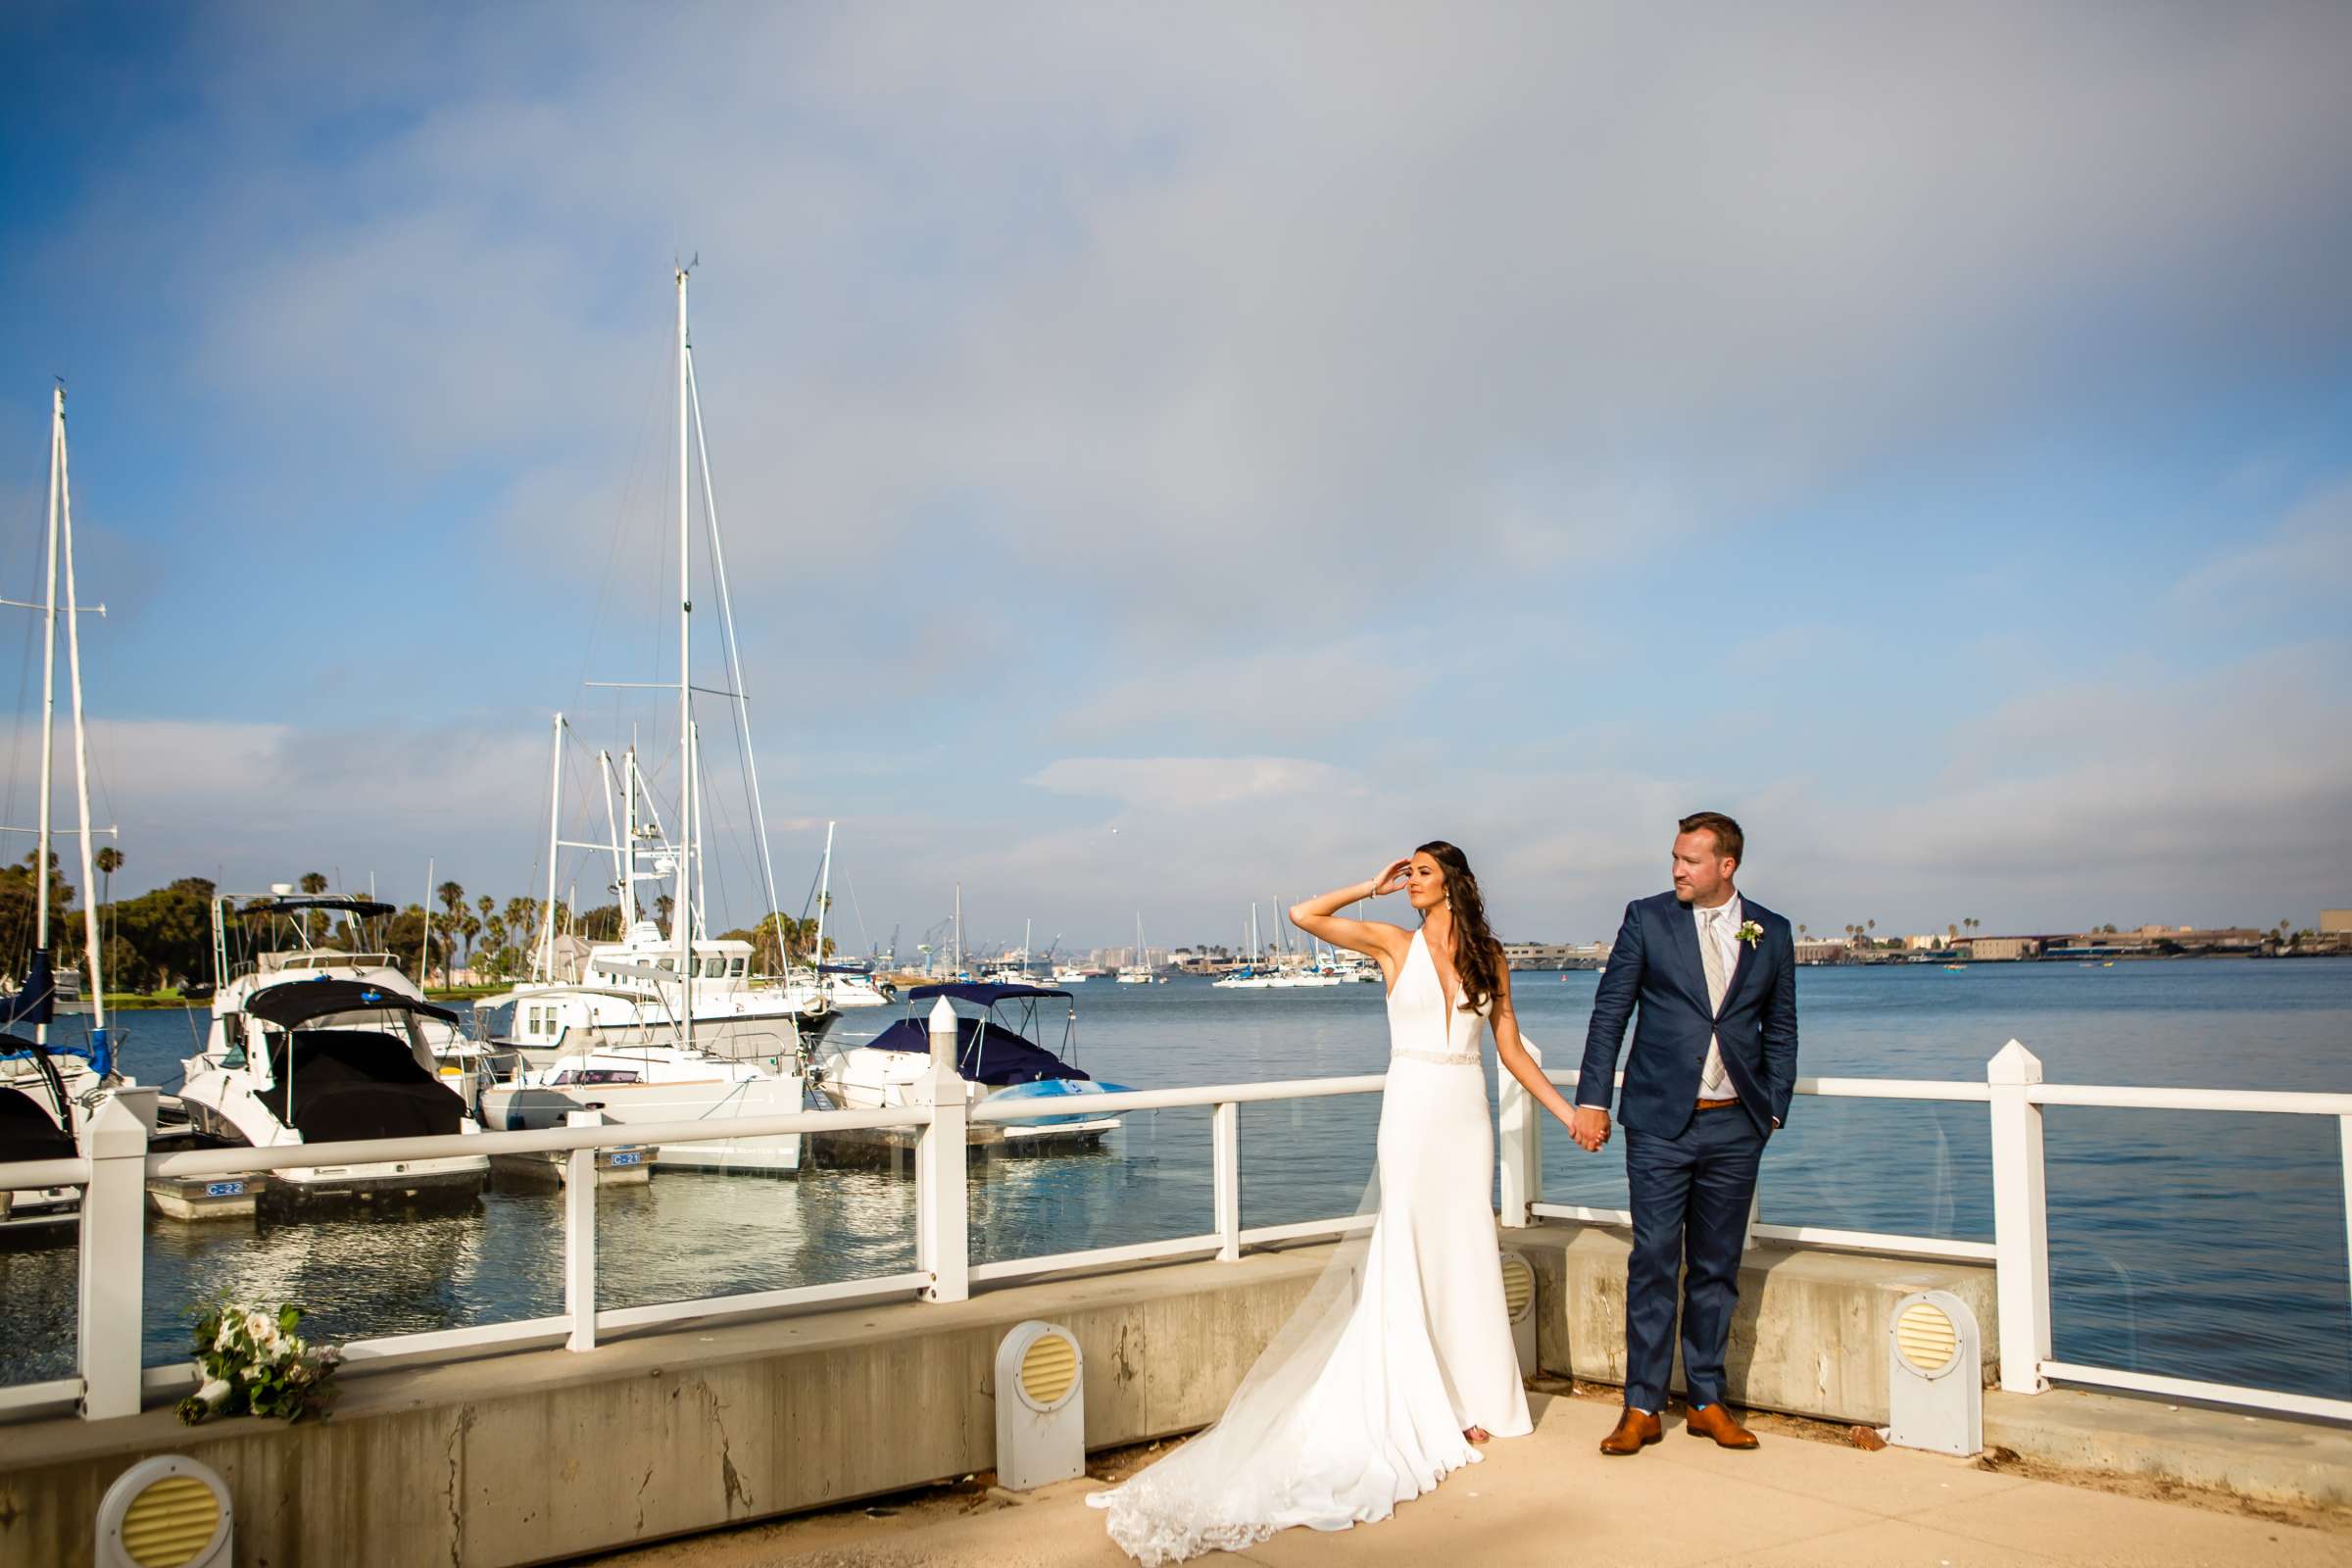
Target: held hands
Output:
[(1589, 1129), (1392, 878)]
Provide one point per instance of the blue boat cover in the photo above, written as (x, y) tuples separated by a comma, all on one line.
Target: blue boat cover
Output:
[(986, 1053), (979, 993), (35, 1002)]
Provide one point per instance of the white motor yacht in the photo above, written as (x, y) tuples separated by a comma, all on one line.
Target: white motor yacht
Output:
[(648, 1081), (36, 1123), (324, 1046), (631, 987), (846, 988)]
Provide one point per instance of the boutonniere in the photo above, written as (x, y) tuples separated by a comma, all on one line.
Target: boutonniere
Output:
[(1749, 932)]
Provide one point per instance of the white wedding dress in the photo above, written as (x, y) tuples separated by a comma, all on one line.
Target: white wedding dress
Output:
[(1361, 1401)]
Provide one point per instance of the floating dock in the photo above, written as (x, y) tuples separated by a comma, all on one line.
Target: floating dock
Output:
[(893, 1148), (199, 1197), (615, 1167)]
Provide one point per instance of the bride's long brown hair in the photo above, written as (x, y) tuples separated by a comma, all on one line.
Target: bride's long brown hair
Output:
[(1476, 956)]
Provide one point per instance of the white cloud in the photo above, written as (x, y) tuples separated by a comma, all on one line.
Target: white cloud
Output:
[(2305, 562), (1262, 308), (1181, 785)]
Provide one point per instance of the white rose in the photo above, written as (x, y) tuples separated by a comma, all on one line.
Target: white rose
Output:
[(213, 1395), (259, 1326), (226, 1332)]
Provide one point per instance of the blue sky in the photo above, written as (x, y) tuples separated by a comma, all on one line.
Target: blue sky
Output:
[(1279, 435)]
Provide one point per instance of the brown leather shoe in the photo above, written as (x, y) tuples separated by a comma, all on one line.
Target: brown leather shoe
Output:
[(1716, 1422), (1636, 1430)]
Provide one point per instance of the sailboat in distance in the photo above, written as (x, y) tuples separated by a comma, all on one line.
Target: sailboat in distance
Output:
[(1139, 972)]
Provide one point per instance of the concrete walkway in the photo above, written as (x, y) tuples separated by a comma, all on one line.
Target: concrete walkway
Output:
[(1551, 1498)]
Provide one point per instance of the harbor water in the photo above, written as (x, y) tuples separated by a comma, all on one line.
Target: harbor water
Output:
[(2198, 1245)]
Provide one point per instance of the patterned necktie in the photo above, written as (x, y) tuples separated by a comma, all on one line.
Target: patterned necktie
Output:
[(1710, 953)]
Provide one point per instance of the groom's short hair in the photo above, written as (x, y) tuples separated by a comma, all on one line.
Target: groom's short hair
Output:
[(1729, 840)]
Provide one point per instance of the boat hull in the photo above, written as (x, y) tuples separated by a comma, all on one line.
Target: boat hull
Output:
[(521, 1107)]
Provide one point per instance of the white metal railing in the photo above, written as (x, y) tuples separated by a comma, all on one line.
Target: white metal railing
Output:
[(2013, 1096), (110, 1380)]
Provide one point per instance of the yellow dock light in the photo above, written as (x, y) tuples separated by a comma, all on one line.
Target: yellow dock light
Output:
[(1934, 1375), (1519, 1305), (1041, 1408), (165, 1512)]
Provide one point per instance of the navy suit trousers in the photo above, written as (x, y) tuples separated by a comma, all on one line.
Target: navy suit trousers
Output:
[(1692, 1195)]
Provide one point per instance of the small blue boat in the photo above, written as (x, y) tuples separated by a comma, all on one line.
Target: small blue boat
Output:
[(997, 1057)]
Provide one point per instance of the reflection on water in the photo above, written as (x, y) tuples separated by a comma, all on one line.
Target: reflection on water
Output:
[(2203, 1245)]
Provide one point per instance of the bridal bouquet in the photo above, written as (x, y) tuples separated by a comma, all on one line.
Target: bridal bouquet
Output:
[(250, 1361)]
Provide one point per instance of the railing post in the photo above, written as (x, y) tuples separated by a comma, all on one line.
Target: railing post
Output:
[(579, 1235), (579, 1243), (1225, 1124), (1519, 1146), (943, 1219), (2344, 1125), (2020, 1220), (110, 1323)]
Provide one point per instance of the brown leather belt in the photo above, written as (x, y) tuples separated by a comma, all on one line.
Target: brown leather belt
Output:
[(1716, 1104)]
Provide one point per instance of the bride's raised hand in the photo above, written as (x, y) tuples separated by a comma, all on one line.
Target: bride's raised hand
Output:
[(1390, 880)]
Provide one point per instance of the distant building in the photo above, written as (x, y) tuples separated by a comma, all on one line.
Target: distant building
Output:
[(2335, 922), (1555, 955), (2002, 949), (1820, 949)]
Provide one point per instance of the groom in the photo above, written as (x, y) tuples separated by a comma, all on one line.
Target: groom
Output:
[(1713, 1065)]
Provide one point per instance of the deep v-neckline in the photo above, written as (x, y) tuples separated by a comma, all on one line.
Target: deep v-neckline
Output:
[(1453, 1002)]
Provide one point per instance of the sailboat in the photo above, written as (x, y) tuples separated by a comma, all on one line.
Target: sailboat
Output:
[(664, 1027), (49, 1089), (825, 990), (1249, 977), (1140, 972)]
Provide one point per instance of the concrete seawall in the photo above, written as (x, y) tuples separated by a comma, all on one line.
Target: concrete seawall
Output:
[(1809, 1337), (541, 1455)]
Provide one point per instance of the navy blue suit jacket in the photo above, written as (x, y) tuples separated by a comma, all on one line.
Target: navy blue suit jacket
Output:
[(1655, 964)]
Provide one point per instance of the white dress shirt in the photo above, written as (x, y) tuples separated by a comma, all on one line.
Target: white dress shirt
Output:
[(1721, 925)]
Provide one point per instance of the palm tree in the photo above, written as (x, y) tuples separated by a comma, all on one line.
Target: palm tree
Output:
[(314, 883), (109, 859), (1800, 928), (1951, 934)]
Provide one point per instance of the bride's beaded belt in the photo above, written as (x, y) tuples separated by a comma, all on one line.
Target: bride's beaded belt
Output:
[(1440, 1057)]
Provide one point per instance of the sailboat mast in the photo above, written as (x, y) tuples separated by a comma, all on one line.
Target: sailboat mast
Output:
[(91, 969), (824, 896), (629, 862), (682, 915), (554, 816), (603, 771), (726, 621), (40, 854)]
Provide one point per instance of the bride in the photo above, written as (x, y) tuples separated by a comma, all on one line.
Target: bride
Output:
[(1401, 1359)]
